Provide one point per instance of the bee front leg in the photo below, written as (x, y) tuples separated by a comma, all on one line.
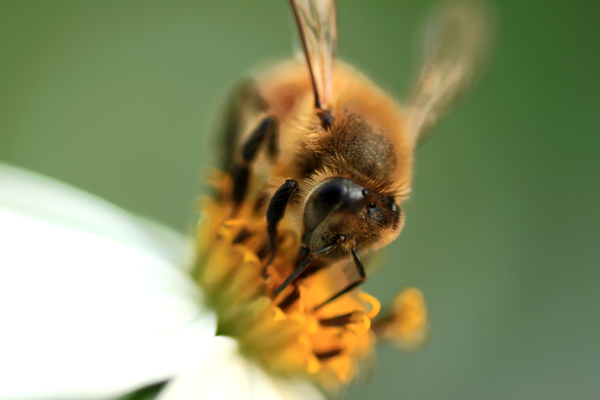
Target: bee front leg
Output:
[(362, 277), (275, 213)]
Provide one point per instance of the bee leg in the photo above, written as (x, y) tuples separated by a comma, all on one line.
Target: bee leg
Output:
[(275, 213), (273, 146), (240, 171), (362, 277), (245, 99), (302, 266)]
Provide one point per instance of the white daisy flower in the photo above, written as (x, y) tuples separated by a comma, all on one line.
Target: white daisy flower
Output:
[(95, 304)]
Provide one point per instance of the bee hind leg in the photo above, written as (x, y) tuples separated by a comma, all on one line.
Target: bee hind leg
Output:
[(242, 166), (237, 158), (362, 277), (246, 100)]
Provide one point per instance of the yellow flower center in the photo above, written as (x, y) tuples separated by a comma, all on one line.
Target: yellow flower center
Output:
[(286, 333)]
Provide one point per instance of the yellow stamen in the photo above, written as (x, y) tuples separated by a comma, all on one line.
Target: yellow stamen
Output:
[(406, 328), (284, 333)]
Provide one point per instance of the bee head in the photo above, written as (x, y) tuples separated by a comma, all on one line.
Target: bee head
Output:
[(338, 210)]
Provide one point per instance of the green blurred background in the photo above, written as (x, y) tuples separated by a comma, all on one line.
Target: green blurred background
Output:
[(502, 235)]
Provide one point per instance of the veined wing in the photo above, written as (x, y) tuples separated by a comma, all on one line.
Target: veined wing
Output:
[(317, 27), (457, 41)]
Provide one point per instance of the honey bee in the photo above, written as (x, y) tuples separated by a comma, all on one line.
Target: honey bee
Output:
[(338, 149)]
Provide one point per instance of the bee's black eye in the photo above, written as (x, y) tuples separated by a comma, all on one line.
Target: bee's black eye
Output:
[(365, 192), (372, 205), (331, 194), (325, 199)]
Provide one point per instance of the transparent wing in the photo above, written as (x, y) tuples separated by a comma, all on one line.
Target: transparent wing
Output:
[(317, 26), (457, 40)]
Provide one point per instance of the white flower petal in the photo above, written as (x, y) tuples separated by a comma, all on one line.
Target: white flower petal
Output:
[(258, 384), (268, 387), (231, 376), (83, 315), (93, 305), (57, 203), (221, 376)]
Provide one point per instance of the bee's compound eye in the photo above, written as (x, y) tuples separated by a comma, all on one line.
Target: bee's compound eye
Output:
[(332, 194), (325, 199), (394, 208)]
